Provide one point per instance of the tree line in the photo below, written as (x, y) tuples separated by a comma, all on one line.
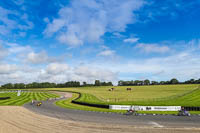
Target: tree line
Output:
[(148, 82), (96, 83), (53, 85)]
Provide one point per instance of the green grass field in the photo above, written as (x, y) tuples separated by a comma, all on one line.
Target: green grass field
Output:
[(24, 97), (181, 95)]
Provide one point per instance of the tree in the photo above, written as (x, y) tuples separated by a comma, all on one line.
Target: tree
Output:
[(154, 83), (84, 83), (141, 82), (35, 85), (146, 82), (109, 84), (197, 81), (103, 84), (162, 82), (136, 82), (191, 81), (97, 83), (19, 86), (120, 83), (8, 86), (174, 81)]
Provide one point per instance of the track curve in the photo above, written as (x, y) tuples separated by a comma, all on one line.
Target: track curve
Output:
[(48, 108)]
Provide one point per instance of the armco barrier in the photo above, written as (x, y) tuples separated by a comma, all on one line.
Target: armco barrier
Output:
[(4, 98)]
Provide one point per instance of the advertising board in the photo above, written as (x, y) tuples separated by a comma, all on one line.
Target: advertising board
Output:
[(145, 108)]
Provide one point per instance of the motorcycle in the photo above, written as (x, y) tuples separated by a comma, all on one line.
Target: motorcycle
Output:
[(131, 112), (183, 113)]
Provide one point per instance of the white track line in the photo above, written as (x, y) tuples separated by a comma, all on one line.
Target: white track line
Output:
[(155, 124)]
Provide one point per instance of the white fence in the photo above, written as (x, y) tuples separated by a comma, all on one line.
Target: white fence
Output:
[(145, 108)]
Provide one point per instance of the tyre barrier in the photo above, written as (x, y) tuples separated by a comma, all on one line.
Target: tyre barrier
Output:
[(4, 98), (91, 105), (192, 108)]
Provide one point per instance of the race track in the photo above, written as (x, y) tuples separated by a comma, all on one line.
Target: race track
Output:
[(48, 108)]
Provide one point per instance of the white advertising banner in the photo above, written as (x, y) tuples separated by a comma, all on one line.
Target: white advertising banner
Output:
[(120, 107), (145, 108)]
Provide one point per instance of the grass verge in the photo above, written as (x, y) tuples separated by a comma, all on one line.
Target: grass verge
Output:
[(68, 104)]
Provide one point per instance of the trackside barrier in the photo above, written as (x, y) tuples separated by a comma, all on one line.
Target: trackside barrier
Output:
[(91, 105), (4, 98), (192, 108), (145, 108)]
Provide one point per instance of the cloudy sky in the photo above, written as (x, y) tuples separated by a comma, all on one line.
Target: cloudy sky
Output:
[(109, 40)]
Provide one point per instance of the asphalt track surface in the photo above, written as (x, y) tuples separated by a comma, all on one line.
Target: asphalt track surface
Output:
[(48, 108)]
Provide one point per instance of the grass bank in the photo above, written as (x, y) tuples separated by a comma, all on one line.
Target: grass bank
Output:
[(184, 95)]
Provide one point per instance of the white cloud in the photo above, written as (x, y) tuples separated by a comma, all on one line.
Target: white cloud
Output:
[(37, 58), (91, 73), (13, 52), (70, 38), (62, 73), (152, 48), (17, 53), (4, 30), (7, 68), (183, 64), (51, 70), (131, 40), (41, 58), (107, 53), (118, 35), (28, 24), (15, 48), (56, 25), (88, 21), (57, 68), (57, 72), (3, 52), (12, 73), (7, 24)]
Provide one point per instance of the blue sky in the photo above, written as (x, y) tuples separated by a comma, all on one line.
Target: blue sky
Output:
[(84, 40)]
